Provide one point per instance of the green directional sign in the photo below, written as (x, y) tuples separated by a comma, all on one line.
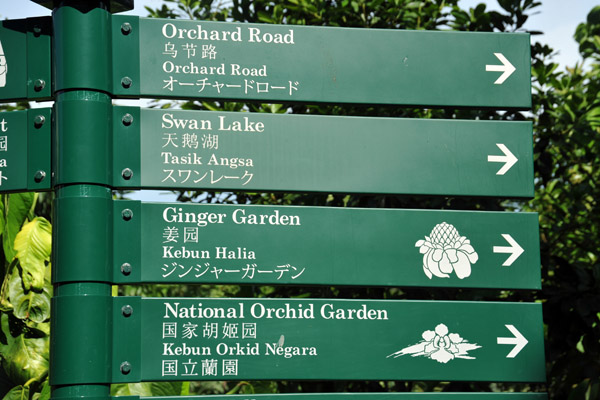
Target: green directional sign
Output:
[(289, 63), (25, 150), (171, 339), (271, 152), (193, 243), (25, 69), (370, 396)]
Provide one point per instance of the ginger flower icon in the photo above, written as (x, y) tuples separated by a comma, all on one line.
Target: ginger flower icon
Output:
[(445, 251), (439, 345)]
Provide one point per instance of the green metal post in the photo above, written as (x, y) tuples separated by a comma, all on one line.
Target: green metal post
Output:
[(82, 163)]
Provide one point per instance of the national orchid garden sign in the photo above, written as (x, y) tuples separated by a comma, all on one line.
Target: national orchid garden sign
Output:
[(221, 339), (84, 147)]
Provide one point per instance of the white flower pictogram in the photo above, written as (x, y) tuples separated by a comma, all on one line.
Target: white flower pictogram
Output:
[(439, 345), (444, 251), (3, 67)]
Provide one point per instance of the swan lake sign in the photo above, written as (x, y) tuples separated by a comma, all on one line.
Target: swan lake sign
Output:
[(271, 152), (193, 243), (251, 339), (289, 63)]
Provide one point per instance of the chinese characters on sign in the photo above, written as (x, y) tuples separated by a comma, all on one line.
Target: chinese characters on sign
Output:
[(13, 151), (208, 331), (3, 149)]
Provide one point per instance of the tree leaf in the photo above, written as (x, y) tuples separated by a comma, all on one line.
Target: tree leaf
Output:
[(45, 392), (2, 214), (23, 357), (5, 304), (33, 245), (17, 393), (16, 209), (148, 389)]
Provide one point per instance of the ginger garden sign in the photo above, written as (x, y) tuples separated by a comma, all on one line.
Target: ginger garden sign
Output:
[(243, 244)]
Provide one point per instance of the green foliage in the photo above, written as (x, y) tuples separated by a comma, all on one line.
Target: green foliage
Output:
[(33, 244), (151, 389), (567, 127), (24, 298)]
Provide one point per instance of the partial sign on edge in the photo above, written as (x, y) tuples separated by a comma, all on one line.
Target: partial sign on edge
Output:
[(25, 150), (25, 54)]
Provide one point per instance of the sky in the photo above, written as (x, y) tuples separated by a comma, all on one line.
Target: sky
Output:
[(555, 18)]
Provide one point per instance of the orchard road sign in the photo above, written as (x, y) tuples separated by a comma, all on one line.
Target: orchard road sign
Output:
[(193, 243), (25, 69), (290, 63), (172, 339), (271, 152), (369, 396), (25, 150)]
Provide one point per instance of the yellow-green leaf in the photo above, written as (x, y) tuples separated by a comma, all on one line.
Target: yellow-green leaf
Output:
[(33, 245), (16, 209)]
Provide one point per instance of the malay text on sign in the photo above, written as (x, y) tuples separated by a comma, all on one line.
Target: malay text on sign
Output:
[(199, 243), (239, 339), (269, 152), (289, 63)]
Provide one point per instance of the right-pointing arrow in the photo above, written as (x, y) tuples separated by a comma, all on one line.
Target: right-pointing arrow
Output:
[(514, 250), (508, 159), (518, 340), (506, 68)]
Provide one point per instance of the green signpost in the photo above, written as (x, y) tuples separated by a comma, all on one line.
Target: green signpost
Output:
[(25, 68), (25, 150), (239, 339), (84, 148), (193, 243), (285, 63), (270, 152)]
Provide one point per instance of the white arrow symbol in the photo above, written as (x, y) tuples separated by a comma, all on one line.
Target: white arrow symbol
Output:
[(518, 340), (514, 250), (508, 159), (506, 67)]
